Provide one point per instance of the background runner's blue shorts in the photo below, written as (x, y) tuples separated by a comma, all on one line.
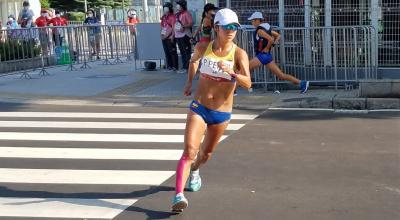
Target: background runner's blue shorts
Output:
[(265, 58)]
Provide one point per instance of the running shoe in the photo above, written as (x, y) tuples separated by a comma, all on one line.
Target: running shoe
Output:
[(304, 86), (182, 71), (179, 203), (235, 93), (194, 183), (168, 70)]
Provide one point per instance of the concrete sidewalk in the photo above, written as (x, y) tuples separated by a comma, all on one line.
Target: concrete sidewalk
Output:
[(121, 84)]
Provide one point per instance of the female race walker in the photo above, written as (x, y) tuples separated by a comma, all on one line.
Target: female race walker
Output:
[(223, 65), (205, 26), (264, 39)]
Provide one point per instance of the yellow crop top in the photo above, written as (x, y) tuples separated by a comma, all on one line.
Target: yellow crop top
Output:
[(209, 64)]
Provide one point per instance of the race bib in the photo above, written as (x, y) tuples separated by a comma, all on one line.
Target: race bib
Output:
[(164, 31), (178, 26), (210, 67)]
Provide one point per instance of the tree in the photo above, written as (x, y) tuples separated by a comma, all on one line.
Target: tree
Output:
[(79, 5), (67, 5), (105, 3), (45, 3)]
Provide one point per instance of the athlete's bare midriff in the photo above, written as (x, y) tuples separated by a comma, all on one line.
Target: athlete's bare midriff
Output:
[(215, 95)]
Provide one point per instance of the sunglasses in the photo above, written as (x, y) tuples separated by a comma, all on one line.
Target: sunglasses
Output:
[(230, 27)]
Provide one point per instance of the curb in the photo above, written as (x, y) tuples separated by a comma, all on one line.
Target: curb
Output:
[(346, 103)]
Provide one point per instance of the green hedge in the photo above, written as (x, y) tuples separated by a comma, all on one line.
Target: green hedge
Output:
[(17, 50), (76, 16)]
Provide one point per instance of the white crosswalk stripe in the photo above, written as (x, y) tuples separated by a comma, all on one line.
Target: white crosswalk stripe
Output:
[(91, 154), (108, 115), (97, 125), (36, 136), (32, 143)]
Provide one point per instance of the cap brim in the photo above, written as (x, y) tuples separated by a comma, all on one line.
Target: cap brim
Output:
[(235, 24)]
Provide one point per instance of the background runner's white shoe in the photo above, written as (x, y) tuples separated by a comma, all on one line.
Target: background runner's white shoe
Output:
[(194, 183)]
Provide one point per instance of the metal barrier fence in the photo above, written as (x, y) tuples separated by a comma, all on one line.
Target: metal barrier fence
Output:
[(75, 22), (23, 50), (320, 13), (335, 55)]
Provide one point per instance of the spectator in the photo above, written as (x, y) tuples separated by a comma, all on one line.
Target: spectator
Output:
[(168, 38), (12, 23), (94, 32), (132, 21), (183, 33), (42, 22), (206, 23), (25, 17), (58, 33)]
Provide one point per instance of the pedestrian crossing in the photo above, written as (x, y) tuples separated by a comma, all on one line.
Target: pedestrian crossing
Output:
[(87, 164)]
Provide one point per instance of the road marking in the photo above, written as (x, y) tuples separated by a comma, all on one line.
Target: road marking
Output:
[(63, 207), (301, 109), (60, 176), (109, 115), (101, 125), (90, 153), (93, 137), (334, 110), (350, 111)]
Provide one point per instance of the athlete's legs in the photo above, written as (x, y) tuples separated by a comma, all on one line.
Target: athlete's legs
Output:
[(210, 142), (281, 75), (254, 63), (195, 128)]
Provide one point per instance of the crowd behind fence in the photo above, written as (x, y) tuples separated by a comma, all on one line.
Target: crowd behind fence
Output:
[(335, 55), (27, 49)]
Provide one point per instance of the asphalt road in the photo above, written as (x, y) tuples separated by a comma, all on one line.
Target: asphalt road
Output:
[(296, 165), (280, 165)]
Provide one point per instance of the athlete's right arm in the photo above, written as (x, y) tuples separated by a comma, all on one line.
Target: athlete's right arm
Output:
[(199, 50), (276, 36), (270, 39)]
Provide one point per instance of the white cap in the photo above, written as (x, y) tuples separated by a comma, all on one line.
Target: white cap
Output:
[(226, 16), (256, 15)]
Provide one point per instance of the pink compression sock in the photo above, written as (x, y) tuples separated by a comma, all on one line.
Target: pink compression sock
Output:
[(179, 174)]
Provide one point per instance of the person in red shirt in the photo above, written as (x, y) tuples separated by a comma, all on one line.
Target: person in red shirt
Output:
[(132, 21), (168, 37), (58, 33), (183, 33), (42, 22)]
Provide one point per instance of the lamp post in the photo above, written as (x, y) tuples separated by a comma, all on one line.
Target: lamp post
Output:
[(123, 10), (85, 6)]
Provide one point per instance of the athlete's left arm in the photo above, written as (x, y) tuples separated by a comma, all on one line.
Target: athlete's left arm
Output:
[(242, 74), (242, 64)]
